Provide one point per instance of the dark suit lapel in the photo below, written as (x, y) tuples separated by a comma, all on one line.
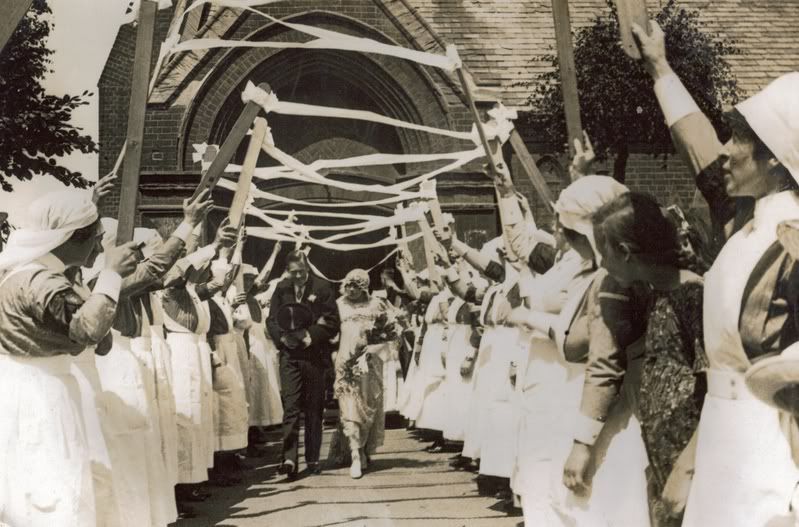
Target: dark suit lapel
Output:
[(307, 291)]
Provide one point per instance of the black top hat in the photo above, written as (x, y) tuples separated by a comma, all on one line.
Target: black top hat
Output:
[(294, 317)]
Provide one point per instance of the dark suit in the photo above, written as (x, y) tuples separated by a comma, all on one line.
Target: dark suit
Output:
[(302, 370)]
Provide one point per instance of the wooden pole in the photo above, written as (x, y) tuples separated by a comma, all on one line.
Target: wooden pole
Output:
[(136, 111), (631, 11), (490, 149), (568, 74), (236, 211), (531, 169), (231, 144), (13, 13)]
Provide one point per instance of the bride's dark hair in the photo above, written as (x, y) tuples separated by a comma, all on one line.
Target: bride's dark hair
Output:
[(635, 222)]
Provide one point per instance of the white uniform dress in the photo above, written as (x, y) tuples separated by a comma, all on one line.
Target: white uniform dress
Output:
[(192, 393), (266, 409), (744, 474), (458, 388), (231, 416), (163, 508), (45, 459), (165, 395), (428, 391)]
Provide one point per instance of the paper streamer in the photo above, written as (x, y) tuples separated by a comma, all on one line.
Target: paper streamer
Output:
[(270, 103), (325, 39), (309, 174), (339, 280), (270, 234)]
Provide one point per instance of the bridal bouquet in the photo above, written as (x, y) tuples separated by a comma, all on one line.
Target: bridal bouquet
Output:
[(376, 340)]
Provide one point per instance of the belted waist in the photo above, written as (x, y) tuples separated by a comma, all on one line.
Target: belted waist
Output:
[(727, 384)]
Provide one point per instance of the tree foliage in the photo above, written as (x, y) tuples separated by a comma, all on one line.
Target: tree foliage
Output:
[(34, 126), (618, 107)]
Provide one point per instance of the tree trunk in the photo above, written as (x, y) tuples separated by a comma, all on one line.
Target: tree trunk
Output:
[(620, 164)]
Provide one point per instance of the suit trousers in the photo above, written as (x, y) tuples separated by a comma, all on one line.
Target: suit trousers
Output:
[(302, 389)]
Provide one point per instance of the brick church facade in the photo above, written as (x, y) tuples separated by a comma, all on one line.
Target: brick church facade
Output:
[(197, 95)]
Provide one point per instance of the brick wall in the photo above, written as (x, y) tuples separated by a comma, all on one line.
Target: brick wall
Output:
[(420, 94)]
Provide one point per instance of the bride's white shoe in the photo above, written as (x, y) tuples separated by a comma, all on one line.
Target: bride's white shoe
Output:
[(355, 468)]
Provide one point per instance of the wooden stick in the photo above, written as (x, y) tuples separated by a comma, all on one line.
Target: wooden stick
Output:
[(236, 212), (531, 169), (492, 162), (568, 74), (231, 144), (631, 11), (13, 13), (138, 106)]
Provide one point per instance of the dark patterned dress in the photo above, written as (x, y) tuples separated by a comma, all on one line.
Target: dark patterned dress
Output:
[(672, 392)]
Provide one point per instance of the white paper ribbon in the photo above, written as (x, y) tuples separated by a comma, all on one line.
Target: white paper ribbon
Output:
[(270, 103), (325, 39)]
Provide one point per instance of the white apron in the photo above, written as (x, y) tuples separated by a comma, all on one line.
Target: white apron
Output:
[(495, 409), (231, 416), (164, 392), (408, 385), (45, 462), (552, 394), (548, 393), (472, 436), (192, 394), (46, 474), (95, 420), (266, 408), (745, 474), (427, 407), (163, 509), (130, 423), (458, 388)]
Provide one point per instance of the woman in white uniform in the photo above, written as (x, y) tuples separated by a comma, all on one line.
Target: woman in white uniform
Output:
[(744, 472), (45, 462)]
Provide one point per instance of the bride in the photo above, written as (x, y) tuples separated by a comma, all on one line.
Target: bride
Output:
[(359, 372)]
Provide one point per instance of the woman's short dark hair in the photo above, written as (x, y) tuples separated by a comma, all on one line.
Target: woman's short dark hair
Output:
[(296, 257), (635, 221)]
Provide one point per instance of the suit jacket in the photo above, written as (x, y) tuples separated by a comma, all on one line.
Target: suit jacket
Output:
[(321, 299)]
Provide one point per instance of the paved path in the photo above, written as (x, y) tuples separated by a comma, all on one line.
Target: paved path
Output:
[(405, 486)]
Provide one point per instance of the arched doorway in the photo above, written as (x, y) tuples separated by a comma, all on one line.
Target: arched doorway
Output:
[(328, 79)]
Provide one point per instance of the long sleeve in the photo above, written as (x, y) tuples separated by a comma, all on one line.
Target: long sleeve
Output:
[(275, 333), (698, 146), (328, 323), (196, 259), (528, 243), (616, 320), (85, 322), (149, 272)]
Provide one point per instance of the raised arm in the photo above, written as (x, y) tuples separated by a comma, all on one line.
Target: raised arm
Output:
[(528, 243), (150, 271), (692, 133), (56, 304), (261, 282)]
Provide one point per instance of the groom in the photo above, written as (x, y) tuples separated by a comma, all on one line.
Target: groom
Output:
[(303, 318)]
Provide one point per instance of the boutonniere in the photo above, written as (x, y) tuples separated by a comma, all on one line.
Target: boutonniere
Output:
[(311, 297)]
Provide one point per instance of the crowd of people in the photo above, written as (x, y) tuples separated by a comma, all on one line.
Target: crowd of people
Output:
[(625, 368)]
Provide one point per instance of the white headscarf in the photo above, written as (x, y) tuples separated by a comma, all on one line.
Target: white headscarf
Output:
[(49, 222), (773, 114), (110, 226), (578, 203)]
